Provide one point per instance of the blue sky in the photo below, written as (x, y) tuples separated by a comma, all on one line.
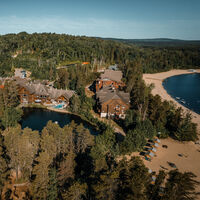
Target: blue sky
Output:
[(104, 18)]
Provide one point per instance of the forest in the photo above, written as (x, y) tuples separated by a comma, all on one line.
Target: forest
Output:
[(70, 163), (42, 53)]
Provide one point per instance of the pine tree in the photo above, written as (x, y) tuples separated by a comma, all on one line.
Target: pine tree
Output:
[(181, 186), (134, 179), (41, 173), (76, 191), (107, 186), (84, 139), (9, 114), (66, 170), (3, 165), (52, 185)]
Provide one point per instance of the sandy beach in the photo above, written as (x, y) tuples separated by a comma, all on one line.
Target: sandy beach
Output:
[(157, 80), (186, 157), (190, 152)]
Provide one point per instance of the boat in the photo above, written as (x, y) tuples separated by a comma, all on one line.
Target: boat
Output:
[(182, 101), (178, 98)]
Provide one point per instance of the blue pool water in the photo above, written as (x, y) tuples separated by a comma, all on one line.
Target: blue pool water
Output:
[(59, 106), (185, 89)]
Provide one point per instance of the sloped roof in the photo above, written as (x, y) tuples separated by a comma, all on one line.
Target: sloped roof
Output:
[(55, 93), (112, 75), (23, 83), (108, 93), (40, 89)]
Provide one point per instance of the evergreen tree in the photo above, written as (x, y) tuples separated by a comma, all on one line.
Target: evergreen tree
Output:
[(41, 173), (3, 165), (134, 179), (21, 147), (180, 186), (76, 191), (107, 186), (84, 139), (9, 113), (52, 185), (66, 169)]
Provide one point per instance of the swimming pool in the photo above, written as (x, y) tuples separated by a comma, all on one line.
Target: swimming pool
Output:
[(59, 106)]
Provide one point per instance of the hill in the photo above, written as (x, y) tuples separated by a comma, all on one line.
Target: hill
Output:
[(158, 42), (42, 53)]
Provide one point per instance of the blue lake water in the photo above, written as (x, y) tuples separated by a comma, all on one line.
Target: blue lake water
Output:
[(185, 89), (37, 118)]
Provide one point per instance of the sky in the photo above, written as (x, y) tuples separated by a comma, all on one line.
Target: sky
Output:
[(128, 19)]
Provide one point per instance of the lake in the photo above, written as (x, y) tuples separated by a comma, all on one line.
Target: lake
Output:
[(37, 118), (185, 89)]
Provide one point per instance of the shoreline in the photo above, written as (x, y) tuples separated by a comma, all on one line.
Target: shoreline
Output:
[(68, 112), (190, 160), (60, 111), (158, 78)]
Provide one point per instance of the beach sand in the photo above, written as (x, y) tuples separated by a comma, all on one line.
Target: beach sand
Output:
[(190, 161), (157, 80)]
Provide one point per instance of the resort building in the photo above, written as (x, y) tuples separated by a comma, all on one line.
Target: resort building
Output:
[(39, 93), (109, 77), (111, 102)]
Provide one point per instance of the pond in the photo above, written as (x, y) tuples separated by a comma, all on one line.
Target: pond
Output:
[(37, 118)]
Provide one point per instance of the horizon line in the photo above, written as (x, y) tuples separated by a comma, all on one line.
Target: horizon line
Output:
[(118, 38)]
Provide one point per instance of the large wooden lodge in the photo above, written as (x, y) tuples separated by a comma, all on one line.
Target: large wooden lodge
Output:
[(40, 93), (109, 77), (111, 102)]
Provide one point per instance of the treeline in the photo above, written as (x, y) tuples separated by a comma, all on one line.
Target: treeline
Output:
[(42, 53), (70, 163)]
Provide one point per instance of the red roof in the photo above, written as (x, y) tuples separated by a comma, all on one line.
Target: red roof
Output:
[(85, 63), (1, 86)]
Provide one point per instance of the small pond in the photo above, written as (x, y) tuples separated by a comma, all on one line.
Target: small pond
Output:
[(37, 118)]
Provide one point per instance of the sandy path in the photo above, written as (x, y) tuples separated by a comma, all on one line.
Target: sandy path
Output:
[(157, 80)]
